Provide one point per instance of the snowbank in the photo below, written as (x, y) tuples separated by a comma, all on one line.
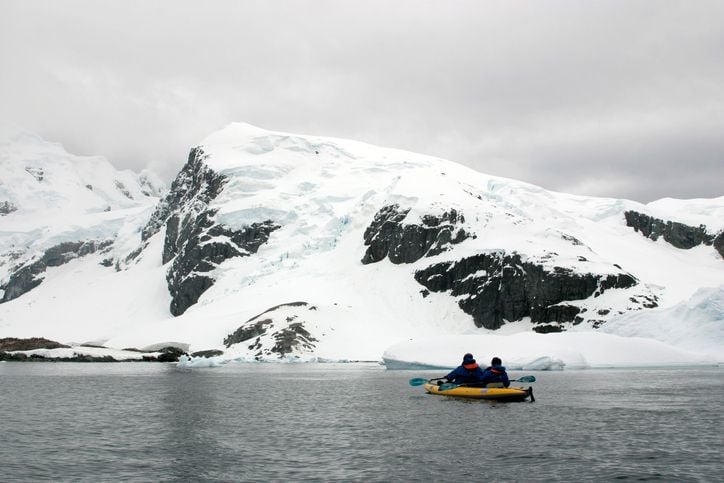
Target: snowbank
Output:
[(95, 352), (531, 351), (696, 324)]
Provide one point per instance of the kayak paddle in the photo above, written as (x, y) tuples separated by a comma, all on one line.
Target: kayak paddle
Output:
[(419, 381)]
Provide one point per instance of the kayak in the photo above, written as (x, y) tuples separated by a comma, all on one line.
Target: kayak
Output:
[(490, 393)]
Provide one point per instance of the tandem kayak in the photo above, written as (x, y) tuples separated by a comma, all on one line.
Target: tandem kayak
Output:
[(490, 393)]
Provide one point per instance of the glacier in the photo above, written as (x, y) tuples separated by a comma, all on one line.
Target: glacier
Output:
[(312, 248)]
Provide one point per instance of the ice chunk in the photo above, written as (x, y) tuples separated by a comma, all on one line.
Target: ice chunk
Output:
[(197, 362)]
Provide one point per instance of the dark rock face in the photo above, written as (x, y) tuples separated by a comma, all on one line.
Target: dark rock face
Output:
[(13, 344), (169, 354), (28, 276), (547, 328), (719, 243), (207, 353), (287, 336), (4, 356), (389, 236), (195, 184), (194, 241), (677, 234), (498, 287), (200, 247), (6, 208)]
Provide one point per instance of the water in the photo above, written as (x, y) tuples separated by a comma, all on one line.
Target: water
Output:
[(267, 422)]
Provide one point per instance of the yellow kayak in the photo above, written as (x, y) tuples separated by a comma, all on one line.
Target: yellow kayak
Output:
[(490, 393)]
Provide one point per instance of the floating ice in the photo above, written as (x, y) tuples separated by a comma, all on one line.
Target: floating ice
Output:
[(197, 362)]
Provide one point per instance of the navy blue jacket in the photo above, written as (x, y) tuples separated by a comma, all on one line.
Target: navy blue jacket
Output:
[(460, 375), (495, 374)]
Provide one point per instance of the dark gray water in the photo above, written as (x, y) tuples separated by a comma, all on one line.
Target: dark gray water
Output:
[(266, 422)]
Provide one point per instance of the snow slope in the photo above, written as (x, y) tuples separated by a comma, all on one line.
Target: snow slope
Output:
[(324, 193)]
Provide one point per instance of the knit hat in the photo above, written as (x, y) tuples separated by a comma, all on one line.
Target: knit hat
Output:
[(469, 362)]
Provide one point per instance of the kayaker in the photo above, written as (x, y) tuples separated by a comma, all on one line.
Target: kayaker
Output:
[(495, 375), (466, 373)]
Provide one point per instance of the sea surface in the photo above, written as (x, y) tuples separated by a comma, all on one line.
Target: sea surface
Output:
[(345, 422)]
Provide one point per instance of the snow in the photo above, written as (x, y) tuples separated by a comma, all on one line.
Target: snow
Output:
[(188, 362), (696, 324), (67, 353), (325, 192)]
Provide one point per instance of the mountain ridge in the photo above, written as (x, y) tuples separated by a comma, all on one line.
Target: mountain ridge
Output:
[(259, 219)]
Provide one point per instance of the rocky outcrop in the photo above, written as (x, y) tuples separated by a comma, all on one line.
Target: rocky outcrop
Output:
[(13, 344), (497, 287), (194, 188), (26, 277), (194, 241), (389, 236), (21, 357), (201, 246), (208, 353), (6, 208), (719, 243), (276, 332), (677, 234)]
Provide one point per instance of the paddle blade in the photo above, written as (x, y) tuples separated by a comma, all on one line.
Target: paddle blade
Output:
[(526, 379), (417, 381)]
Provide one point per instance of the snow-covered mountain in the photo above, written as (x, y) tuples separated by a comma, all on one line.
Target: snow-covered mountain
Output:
[(55, 207), (270, 245)]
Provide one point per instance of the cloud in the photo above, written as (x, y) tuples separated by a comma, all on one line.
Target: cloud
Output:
[(621, 99)]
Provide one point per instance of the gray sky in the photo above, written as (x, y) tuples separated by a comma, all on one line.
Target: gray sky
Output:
[(607, 98)]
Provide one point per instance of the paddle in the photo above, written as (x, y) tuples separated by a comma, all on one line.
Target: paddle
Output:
[(418, 381), (451, 385)]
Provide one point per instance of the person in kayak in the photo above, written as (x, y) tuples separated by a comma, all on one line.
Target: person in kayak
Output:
[(495, 375), (467, 373)]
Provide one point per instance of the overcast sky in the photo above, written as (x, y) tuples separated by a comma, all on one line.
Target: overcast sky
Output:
[(622, 99)]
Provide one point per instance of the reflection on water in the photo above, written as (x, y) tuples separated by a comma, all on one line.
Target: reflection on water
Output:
[(261, 422)]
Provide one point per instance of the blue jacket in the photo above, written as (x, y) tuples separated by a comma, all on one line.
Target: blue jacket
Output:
[(460, 375), (495, 374)]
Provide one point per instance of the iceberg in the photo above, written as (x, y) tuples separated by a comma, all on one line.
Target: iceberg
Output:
[(696, 324)]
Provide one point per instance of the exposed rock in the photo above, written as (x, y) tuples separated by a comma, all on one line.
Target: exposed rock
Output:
[(196, 184), (21, 357), (13, 344), (388, 236), (4, 356), (124, 191), (275, 334), (207, 353), (36, 173), (203, 247), (194, 241), (28, 276), (6, 208), (719, 243), (252, 328), (293, 337), (496, 287), (547, 328), (169, 354), (677, 234)]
